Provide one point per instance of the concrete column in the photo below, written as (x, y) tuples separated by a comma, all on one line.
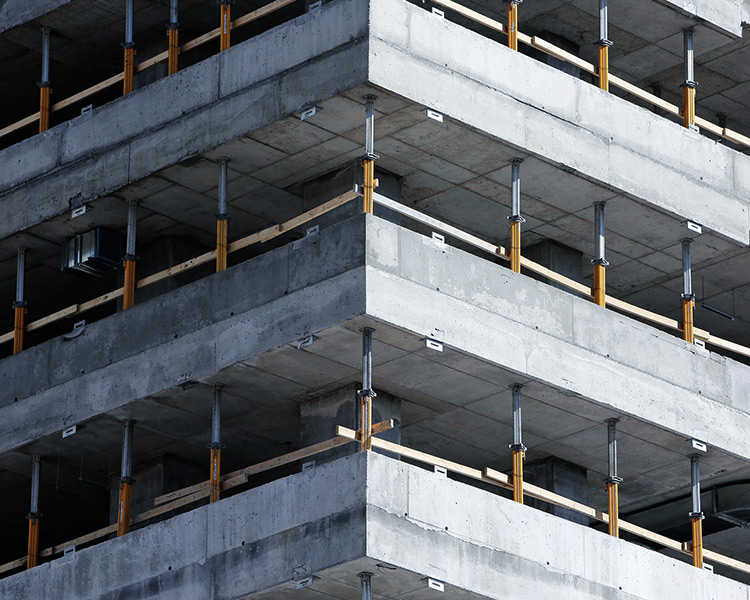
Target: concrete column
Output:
[(319, 417), (561, 477)]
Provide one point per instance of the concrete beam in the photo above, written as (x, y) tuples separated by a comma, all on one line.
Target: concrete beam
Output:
[(417, 55), (372, 507), (18, 12), (724, 14), (251, 85), (564, 120), (368, 266)]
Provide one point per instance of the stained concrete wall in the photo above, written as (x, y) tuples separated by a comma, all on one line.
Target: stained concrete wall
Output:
[(409, 51), (564, 120), (399, 278), (368, 505)]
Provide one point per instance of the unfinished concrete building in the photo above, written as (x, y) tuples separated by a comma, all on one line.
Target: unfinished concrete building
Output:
[(377, 299)]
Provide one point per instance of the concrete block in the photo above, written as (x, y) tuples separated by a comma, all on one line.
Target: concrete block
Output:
[(30, 158)]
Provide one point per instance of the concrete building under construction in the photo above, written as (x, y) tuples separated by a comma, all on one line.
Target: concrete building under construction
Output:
[(378, 299)]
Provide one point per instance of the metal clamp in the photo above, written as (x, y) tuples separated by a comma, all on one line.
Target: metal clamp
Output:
[(518, 447), (129, 480), (614, 479), (368, 393)]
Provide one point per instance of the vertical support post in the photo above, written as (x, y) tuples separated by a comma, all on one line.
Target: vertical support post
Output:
[(32, 557), (44, 85), (696, 516), (366, 585), (128, 295), (688, 87), (613, 481), (604, 45), (173, 35), (366, 394), (215, 444), (368, 160), (126, 479), (129, 48), (222, 218), (19, 306), (688, 298), (599, 262), (512, 30), (519, 450), (515, 218), (226, 23)]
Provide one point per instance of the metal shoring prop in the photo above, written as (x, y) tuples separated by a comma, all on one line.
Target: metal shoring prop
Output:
[(366, 394), (226, 23), (128, 293), (368, 160), (688, 297), (216, 444), (44, 85), (604, 45), (515, 218), (129, 48), (696, 516), (126, 479), (599, 262), (689, 85), (19, 306), (173, 35), (366, 584), (513, 23), (32, 557), (519, 450), (613, 481), (222, 218)]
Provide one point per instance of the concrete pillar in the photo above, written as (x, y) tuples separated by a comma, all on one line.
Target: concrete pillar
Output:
[(561, 477), (319, 417), (153, 478), (561, 259), (328, 186)]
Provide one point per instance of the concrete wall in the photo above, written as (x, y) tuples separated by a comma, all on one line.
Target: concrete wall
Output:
[(567, 342), (399, 278), (726, 14), (409, 51), (18, 12), (247, 87), (564, 120), (194, 331), (368, 505)]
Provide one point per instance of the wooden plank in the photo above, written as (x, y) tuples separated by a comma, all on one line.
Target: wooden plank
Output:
[(103, 299), (735, 137), (174, 270), (726, 561), (430, 459), (6, 337), (150, 62), (241, 475), (60, 314), (472, 14), (708, 126), (651, 536), (644, 95), (87, 92), (727, 345), (271, 232), (643, 313), (452, 231), (19, 562), (79, 541), (261, 12), (554, 276), (561, 54), (19, 124)]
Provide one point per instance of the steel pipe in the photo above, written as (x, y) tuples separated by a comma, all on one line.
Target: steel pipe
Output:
[(600, 263), (126, 479), (366, 394), (128, 295), (173, 34), (515, 218), (225, 24), (19, 306), (518, 449), (44, 83), (604, 45), (368, 160), (32, 555), (129, 49), (696, 516), (512, 27), (215, 445), (613, 481), (222, 218), (366, 585), (688, 111), (688, 298)]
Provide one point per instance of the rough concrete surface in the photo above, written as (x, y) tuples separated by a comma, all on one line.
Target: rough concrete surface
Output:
[(403, 280), (410, 52), (367, 505)]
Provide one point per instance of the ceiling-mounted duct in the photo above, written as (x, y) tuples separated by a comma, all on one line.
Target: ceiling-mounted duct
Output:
[(92, 253)]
